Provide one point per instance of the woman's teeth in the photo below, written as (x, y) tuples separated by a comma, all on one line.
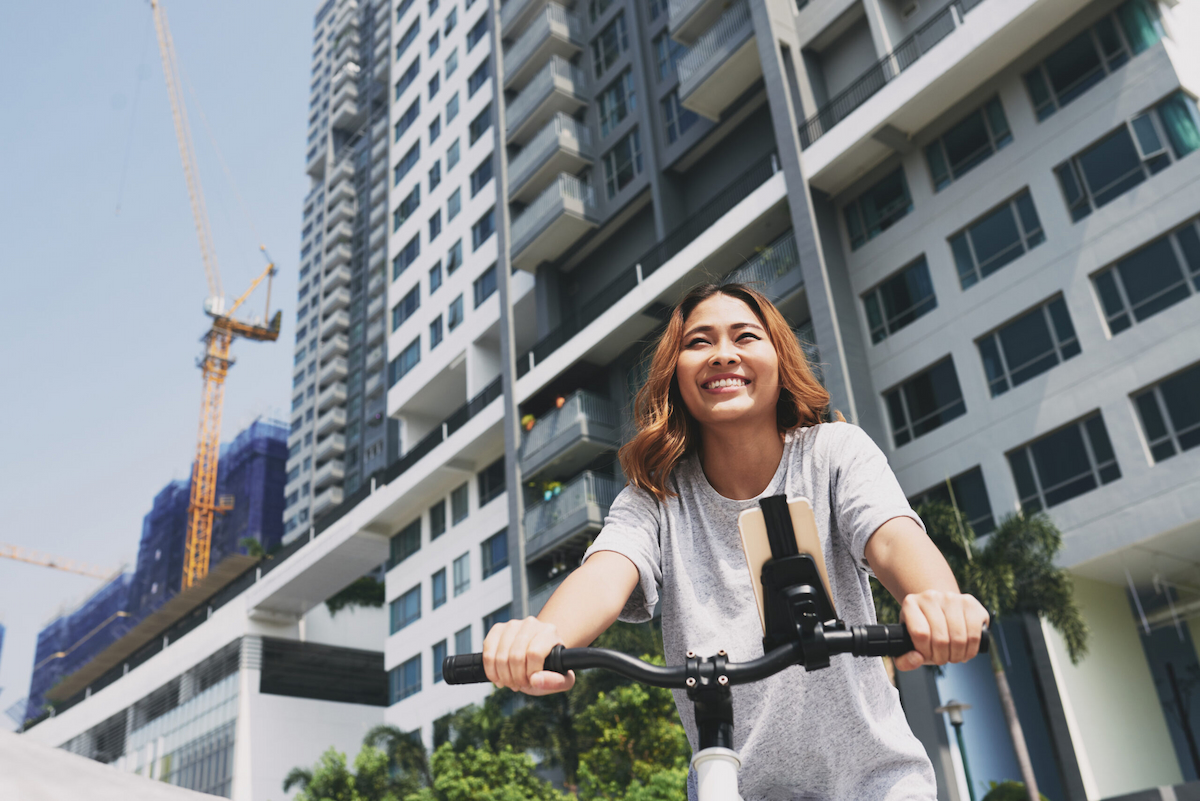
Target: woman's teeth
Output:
[(726, 382)]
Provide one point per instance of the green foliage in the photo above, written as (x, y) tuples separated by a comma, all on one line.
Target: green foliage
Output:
[(365, 591), (1008, 791), (481, 774), (332, 780), (253, 547), (407, 761)]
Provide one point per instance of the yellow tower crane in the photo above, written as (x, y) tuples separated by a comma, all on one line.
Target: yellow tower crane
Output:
[(30, 556), (216, 361)]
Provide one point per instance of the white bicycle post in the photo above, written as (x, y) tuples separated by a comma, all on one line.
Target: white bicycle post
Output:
[(717, 774)]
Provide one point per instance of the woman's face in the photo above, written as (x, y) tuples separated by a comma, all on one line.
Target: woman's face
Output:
[(728, 370)]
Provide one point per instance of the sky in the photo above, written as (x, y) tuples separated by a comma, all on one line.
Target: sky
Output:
[(103, 280)]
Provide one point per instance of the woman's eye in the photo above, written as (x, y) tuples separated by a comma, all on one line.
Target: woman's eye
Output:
[(697, 341), (748, 334)]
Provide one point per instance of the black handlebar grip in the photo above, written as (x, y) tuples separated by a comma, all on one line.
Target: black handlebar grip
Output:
[(464, 669), (891, 639), (554, 660)]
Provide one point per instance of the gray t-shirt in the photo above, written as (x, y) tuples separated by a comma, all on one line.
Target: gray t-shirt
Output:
[(837, 733)]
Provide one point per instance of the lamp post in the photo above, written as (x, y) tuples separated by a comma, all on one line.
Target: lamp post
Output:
[(954, 709)]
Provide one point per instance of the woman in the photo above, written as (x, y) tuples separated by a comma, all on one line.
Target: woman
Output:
[(730, 413)]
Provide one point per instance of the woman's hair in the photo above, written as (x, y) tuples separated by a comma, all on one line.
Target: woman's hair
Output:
[(666, 431)]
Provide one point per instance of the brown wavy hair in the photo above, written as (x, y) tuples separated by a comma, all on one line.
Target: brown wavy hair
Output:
[(666, 431)]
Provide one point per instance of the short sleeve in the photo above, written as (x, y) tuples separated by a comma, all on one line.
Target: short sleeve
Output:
[(865, 492), (631, 529)]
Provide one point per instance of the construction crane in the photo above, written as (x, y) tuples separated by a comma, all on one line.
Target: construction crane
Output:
[(203, 505), (33, 557)]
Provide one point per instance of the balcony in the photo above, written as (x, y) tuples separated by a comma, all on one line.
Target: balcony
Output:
[(380, 72), (331, 421), (378, 237), (379, 150), (315, 166), (515, 15), (347, 19), (347, 75), (380, 54), (721, 65), (564, 145), (375, 308), (337, 277), (332, 472), (376, 283), (332, 395), (374, 359), (340, 232), (346, 115), (326, 500), (691, 18), (337, 255), (335, 370), (336, 323), (538, 597), (378, 257), (553, 32), (333, 445), (553, 222), (775, 271), (336, 300), (569, 517), (569, 437), (347, 40), (343, 171), (343, 210), (375, 332), (334, 346), (344, 56), (374, 385), (558, 87)]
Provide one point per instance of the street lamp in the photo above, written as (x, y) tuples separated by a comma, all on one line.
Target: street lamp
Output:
[(954, 709)]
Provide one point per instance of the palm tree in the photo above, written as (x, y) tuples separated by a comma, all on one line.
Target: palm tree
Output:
[(406, 753), (297, 777), (1013, 574)]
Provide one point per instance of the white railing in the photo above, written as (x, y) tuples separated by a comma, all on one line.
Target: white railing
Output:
[(582, 405), (539, 29), (776, 259), (557, 133), (564, 188), (586, 488), (511, 10), (542, 84), (728, 28), (678, 9)]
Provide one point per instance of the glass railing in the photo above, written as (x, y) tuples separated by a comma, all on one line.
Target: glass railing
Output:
[(539, 29), (565, 187), (679, 9), (730, 28), (543, 84), (774, 261), (586, 489), (582, 405), (560, 131), (511, 10)]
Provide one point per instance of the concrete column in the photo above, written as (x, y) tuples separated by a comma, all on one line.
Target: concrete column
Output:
[(919, 697)]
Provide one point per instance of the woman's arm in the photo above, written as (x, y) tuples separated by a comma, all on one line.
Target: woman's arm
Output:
[(587, 603), (944, 624)]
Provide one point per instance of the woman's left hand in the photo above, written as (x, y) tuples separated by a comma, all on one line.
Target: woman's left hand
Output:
[(944, 626)]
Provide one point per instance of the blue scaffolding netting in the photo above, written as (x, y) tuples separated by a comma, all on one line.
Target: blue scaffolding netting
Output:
[(252, 470)]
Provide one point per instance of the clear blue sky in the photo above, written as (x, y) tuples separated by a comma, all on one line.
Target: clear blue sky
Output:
[(102, 311)]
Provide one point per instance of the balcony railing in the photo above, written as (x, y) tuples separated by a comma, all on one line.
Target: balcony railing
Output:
[(333, 445), (513, 10), (583, 416), (335, 324), (330, 497), (334, 346), (332, 395), (557, 74), (629, 279), (331, 472), (580, 507), (548, 204), (337, 277), (553, 20), (730, 30), (331, 420), (774, 271), (337, 299), (334, 371), (562, 132), (907, 53)]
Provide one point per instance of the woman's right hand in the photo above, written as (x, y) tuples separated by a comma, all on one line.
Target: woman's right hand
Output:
[(513, 655)]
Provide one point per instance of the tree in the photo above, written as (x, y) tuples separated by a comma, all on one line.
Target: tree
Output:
[(332, 780), (481, 774), (1012, 574), (407, 760), (363, 591)]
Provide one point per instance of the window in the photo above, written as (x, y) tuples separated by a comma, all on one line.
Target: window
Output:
[(406, 609), (480, 125), (451, 63), (439, 649), (404, 543), (435, 175), (409, 358), (491, 481), (435, 83), (451, 21), (477, 79), (623, 163), (878, 208), (410, 75), (462, 638), (452, 108), (678, 118), (484, 227), (408, 118), (485, 285), (433, 7), (596, 8), (609, 45), (1028, 346), (495, 553), (405, 680), (406, 256), (405, 5), (462, 576), (406, 207), (477, 32), (668, 53), (501, 615), (1129, 155), (436, 334), (437, 588), (969, 142), (1170, 413), (459, 503), (454, 204), (899, 300), (926, 401), (406, 164), (968, 493), (434, 41), (407, 307), (659, 7), (435, 129), (1085, 60), (481, 176), (454, 257), (408, 38), (996, 239), (452, 155), (435, 277), (1061, 465), (435, 225), (437, 520), (1150, 279), (454, 315), (616, 102)]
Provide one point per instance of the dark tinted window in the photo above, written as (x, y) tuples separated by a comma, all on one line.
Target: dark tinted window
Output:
[(926, 401)]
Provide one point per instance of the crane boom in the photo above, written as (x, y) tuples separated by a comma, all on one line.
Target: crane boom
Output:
[(30, 556)]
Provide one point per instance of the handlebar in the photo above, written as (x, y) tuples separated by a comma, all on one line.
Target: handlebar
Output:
[(883, 639)]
